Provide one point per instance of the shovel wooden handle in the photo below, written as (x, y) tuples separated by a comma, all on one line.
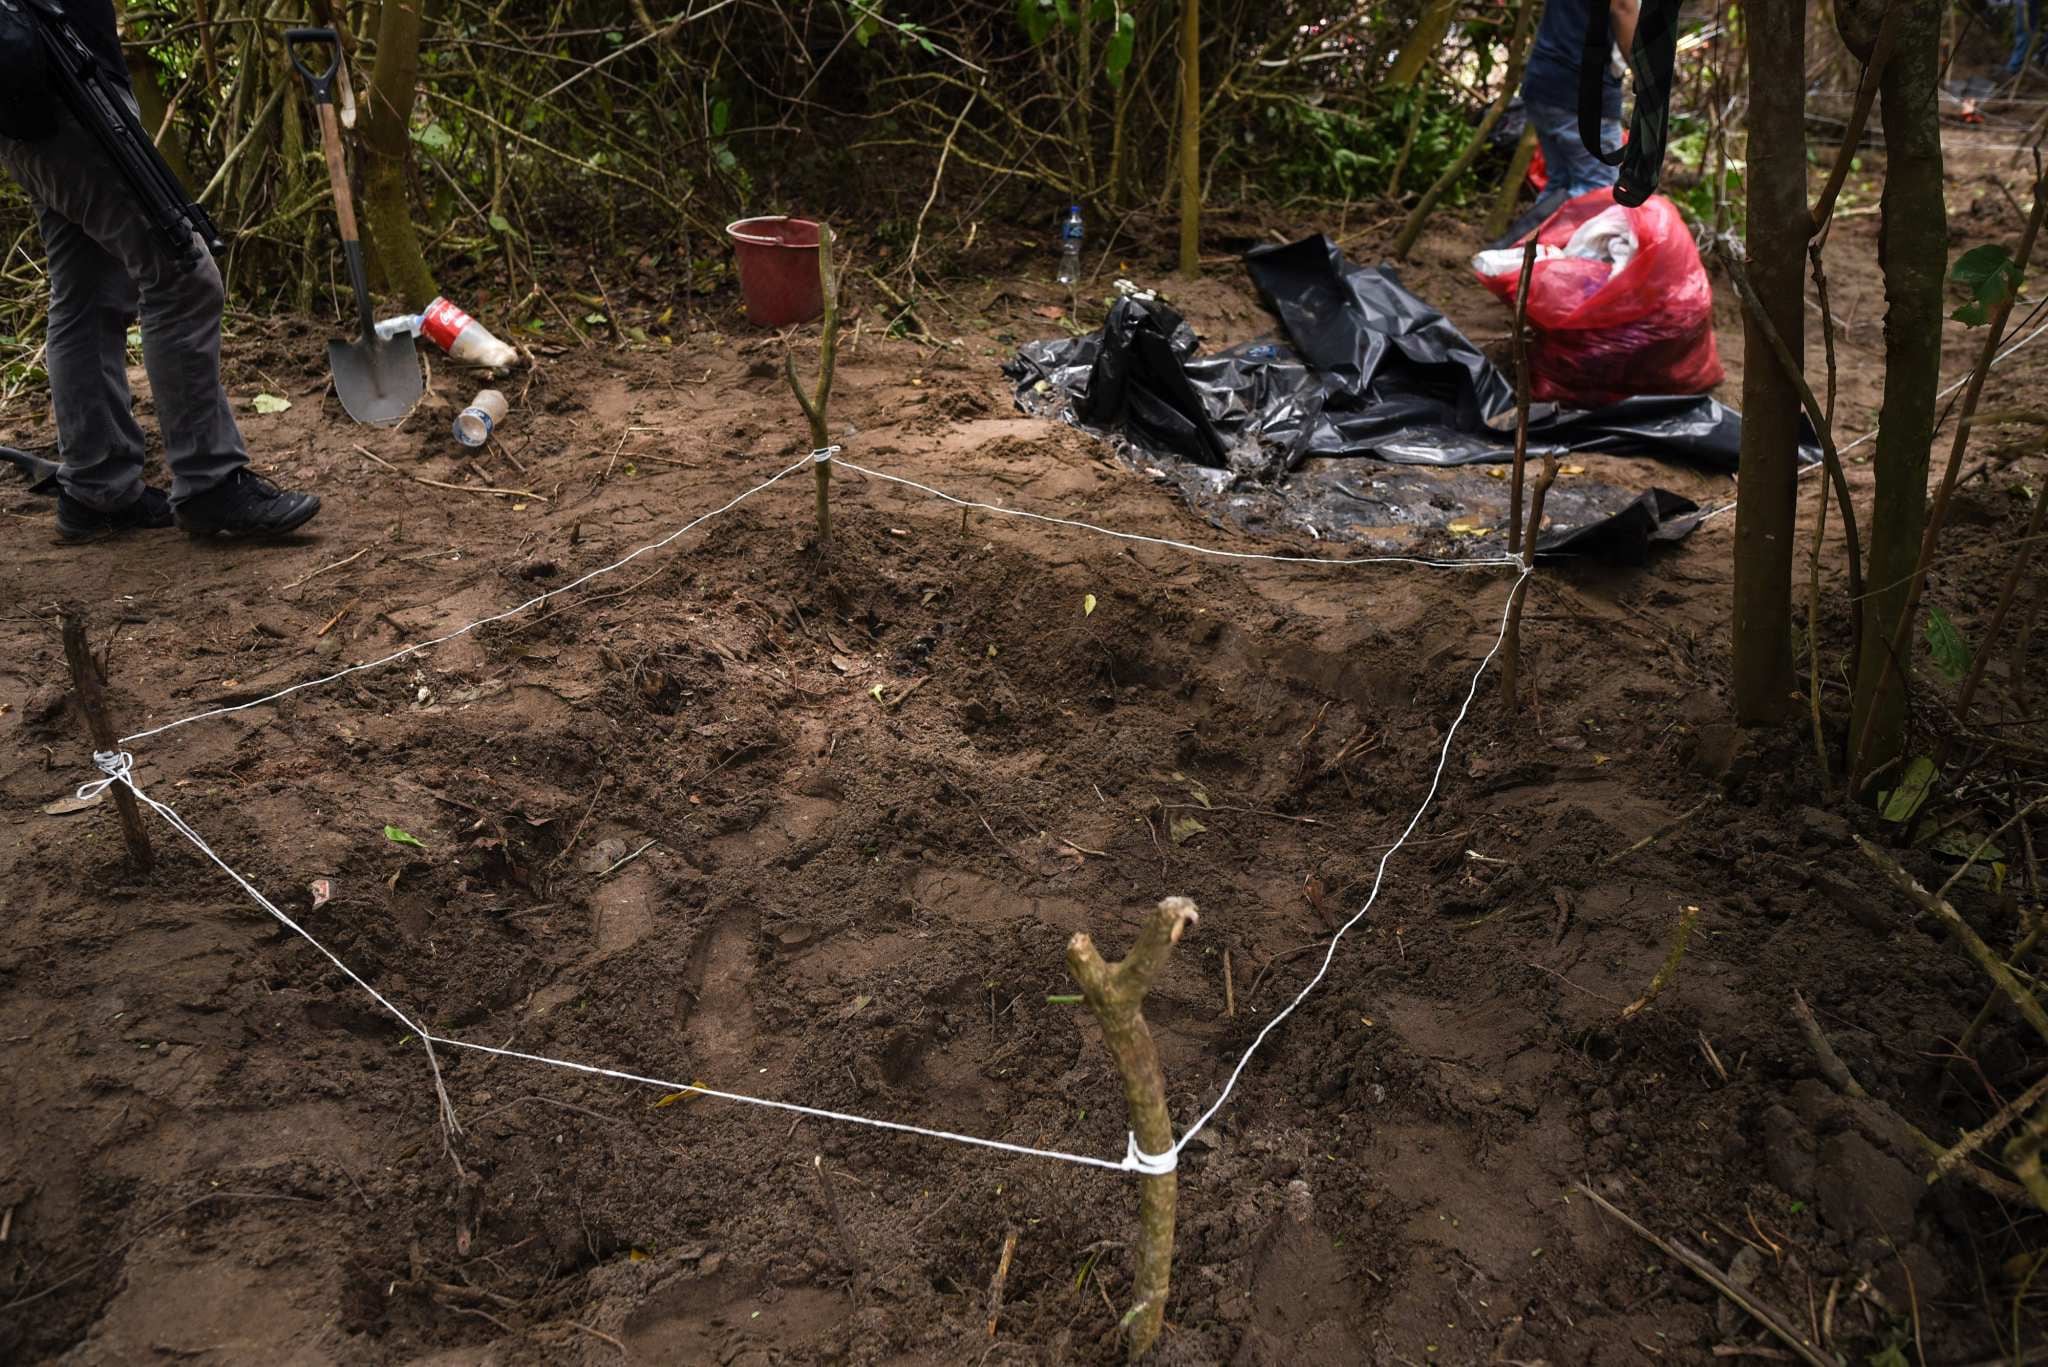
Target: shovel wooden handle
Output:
[(337, 173)]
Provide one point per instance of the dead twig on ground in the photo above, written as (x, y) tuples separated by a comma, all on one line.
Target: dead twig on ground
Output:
[(1666, 829), (1000, 1280), (1712, 1276), (1669, 969)]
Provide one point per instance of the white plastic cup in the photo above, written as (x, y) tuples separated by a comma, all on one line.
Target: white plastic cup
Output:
[(474, 424)]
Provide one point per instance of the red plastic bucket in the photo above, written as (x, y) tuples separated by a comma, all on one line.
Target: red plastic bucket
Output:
[(778, 261)]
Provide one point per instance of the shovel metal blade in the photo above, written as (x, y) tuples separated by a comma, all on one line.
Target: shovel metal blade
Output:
[(378, 380)]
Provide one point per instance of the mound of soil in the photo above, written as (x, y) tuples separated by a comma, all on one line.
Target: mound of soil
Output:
[(815, 824)]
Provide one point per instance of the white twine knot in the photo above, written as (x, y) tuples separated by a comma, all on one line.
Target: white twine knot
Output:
[(117, 765), (1151, 1164), (824, 454)]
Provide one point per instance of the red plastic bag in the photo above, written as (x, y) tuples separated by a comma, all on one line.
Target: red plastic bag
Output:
[(1601, 332)]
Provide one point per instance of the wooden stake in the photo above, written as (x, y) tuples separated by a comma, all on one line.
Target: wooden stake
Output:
[(846, 1244), (88, 686), (817, 408), (999, 1281), (1116, 994), (1518, 543)]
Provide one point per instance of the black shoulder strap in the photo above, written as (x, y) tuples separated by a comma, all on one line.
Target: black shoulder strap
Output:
[(1650, 63), (1593, 82)]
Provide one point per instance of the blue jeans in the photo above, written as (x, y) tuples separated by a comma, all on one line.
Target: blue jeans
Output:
[(1565, 157), (2021, 35)]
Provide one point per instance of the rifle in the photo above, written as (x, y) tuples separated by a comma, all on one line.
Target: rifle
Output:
[(102, 108)]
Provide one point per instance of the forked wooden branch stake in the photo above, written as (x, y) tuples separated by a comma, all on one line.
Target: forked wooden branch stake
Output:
[(1116, 994), (88, 686), (817, 408)]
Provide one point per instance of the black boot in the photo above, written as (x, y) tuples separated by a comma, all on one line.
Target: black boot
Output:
[(245, 504), (77, 522)]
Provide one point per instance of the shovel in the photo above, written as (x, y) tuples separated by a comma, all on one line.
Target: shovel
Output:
[(378, 380)]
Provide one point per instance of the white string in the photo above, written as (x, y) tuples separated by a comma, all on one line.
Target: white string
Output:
[(536, 601), (1871, 435), (119, 767), (1487, 562), (1378, 879)]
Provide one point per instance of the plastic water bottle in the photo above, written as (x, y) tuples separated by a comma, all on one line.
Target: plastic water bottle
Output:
[(1070, 247), (463, 337), (474, 424)]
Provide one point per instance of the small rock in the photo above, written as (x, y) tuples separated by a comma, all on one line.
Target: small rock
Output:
[(1788, 1153), (1818, 827), (1863, 1190), (1725, 753), (43, 704), (1742, 1273), (1604, 1122)]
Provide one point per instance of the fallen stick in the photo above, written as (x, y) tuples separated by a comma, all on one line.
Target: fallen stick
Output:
[(1000, 1280), (1711, 1275), (88, 686), (1989, 1130), (2029, 1006), (1666, 829), (1901, 1129), (324, 569), (846, 1244), (1669, 969)]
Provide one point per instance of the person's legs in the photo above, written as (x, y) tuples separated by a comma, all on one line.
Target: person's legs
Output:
[(2021, 36), (92, 301), (1564, 152), (179, 302)]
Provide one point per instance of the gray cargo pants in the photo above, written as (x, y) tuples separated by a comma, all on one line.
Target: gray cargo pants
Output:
[(107, 266)]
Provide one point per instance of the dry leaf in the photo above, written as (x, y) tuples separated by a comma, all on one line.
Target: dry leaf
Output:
[(323, 893), (1051, 312), (1184, 829), (70, 806), (1087, 605)]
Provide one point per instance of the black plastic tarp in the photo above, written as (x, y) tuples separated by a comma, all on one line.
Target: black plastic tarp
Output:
[(1367, 370)]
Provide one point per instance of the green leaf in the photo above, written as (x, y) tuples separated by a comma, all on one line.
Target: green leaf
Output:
[(398, 837), (1087, 605), (270, 403), (1951, 652), (1037, 18), (1901, 802), (500, 224), (594, 319), (433, 137), (1992, 278), (721, 117), (1117, 57)]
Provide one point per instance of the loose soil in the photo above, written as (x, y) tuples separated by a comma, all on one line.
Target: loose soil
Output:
[(883, 785)]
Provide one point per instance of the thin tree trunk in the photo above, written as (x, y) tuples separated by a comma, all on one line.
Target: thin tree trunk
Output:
[(1913, 248), (1503, 211), (1767, 495), (386, 143), (1423, 43), (1518, 49), (1190, 138), (149, 99)]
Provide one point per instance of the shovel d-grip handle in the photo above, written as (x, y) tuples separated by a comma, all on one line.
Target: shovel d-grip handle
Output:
[(321, 86), (320, 83)]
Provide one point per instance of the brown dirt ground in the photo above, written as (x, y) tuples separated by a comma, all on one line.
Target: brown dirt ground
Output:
[(217, 1150)]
